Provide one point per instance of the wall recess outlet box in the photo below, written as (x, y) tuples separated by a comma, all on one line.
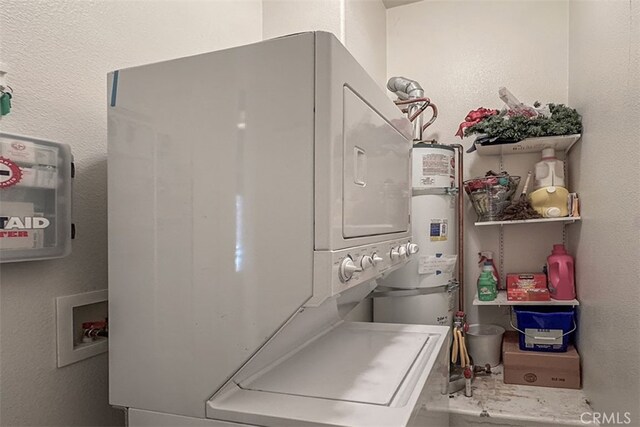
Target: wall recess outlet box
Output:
[(71, 311)]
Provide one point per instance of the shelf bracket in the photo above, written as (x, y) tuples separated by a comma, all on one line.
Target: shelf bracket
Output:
[(501, 255)]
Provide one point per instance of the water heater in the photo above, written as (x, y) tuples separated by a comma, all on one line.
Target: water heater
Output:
[(433, 217)]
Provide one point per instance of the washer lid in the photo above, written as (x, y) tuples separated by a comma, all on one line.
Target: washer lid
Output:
[(352, 362)]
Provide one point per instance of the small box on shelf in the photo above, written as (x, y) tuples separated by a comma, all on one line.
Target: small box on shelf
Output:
[(527, 287)]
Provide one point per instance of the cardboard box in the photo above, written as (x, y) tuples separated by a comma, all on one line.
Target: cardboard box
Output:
[(526, 281), (559, 370), (527, 287)]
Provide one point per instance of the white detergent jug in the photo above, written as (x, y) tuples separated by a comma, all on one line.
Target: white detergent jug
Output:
[(549, 172)]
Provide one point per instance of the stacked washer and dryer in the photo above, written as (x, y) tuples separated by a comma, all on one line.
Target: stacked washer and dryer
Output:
[(269, 214)]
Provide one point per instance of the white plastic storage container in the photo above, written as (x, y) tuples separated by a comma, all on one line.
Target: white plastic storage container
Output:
[(35, 198)]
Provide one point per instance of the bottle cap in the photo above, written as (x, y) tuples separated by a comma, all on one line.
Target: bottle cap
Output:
[(548, 153), (559, 248)]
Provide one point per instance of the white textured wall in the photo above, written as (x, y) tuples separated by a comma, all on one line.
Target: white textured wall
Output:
[(359, 24), (366, 36), (462, 52), (604, 85), (282, 17), (58, 54)]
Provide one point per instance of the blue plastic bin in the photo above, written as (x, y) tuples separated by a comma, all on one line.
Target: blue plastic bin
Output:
[(545, 328)]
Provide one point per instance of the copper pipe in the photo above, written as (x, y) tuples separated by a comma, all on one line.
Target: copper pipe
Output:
[(426, 102), (419, 111), (414, 113), (433, 118), (460, 172), (411, 101)]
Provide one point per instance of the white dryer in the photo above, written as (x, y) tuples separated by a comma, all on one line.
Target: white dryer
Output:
[(248, 212)]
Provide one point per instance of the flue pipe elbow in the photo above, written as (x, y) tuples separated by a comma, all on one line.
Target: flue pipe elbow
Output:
[(405, 88)]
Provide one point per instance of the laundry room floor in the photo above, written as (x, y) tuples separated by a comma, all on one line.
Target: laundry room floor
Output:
[(500, 404)]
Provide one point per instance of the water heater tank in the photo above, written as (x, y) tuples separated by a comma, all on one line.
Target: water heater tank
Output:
[(433, 218)]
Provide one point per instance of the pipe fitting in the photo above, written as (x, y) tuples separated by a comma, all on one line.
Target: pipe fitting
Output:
[(405, 88)]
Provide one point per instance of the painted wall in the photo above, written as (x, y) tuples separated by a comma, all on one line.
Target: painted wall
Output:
[(58, 54), (462, 52), (359, 24), (604, 86), (282, 17), (366, 36)]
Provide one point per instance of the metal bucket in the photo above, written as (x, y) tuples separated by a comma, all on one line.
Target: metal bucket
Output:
[(484, 343)]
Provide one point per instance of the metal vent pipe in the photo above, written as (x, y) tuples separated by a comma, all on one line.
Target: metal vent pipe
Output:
[(407, 89)]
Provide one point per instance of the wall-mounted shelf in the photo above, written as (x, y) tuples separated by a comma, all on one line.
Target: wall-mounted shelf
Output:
[(530, 145), (501, 299), (566, 219)]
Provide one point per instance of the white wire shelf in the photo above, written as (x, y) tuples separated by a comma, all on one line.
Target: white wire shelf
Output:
[(530, 145), (501, 299), (568, 219)]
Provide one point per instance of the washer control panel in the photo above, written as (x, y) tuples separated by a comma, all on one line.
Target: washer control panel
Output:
[(337, 271)]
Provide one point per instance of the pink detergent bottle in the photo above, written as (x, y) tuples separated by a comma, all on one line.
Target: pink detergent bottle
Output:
[(562, 284)]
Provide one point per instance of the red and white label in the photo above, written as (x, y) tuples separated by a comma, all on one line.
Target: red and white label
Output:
[(10, 173), (13, 234)]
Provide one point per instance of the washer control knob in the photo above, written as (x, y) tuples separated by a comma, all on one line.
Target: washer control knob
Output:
[(394, 254), (402, 251), (366, 262), (347, 268), (412, 248), (377, 259)]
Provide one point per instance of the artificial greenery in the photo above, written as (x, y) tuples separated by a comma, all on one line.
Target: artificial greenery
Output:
[(562, 121)]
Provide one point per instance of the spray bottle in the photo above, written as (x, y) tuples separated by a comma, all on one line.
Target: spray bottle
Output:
[(489, 268), (487, 257)]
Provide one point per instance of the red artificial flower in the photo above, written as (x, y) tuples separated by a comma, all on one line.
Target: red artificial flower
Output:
[(475, 116)]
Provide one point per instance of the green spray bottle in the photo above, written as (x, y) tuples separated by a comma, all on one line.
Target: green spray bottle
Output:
[(487, 287)]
